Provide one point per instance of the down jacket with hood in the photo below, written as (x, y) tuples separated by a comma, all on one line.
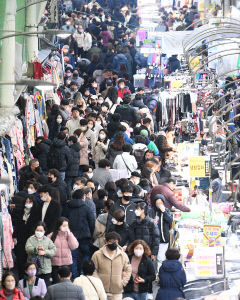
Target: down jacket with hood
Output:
[(127, 113), (59, 155), (119, 59), (146, 230), (165, 219), (74, 160), (80, 216), (114, 271), (40, 151), (172, 277), (173, 64), (151, 102)]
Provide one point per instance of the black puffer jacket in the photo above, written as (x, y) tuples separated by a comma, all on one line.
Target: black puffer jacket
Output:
[(129, 210), (40, 151), (74, 161), (146, 230), (145, 271), (151, 101), (122, 230), (63, 190), (127, 113), (81, 219), (138, 104), (112, 128), (59, 155)]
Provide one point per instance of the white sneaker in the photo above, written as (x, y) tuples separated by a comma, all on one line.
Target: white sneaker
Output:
[(150, 296)]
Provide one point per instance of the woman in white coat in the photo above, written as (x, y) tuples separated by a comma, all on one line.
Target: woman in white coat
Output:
[(92, 287), (126, 161)]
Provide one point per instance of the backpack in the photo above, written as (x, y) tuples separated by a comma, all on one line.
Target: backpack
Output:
[(54, 158), (139, 155)]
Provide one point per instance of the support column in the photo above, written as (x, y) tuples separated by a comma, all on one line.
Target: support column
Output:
[(226, 8), (206, 4), (7, 56), (31, 26)]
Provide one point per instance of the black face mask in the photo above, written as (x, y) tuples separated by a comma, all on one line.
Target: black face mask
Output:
[(37, 169), (112, 246), (49, 179), (127, 198)]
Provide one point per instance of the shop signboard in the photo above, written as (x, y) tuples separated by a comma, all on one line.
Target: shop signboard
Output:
[(186, 150), (197, 166), (209, 262), (212, 235)]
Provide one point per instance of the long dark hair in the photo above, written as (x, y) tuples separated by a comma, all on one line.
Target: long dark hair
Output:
[(112, 94), (56, 229), (106, 139)]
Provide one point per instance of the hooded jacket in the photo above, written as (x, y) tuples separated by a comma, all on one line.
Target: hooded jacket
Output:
[(74, 160), (40, 151), (129, 210), (118, 60), (164, 219), (171, 278), (173, 64), (59, 155), (80, 217), (146, 230), (127, 113), (114, 271)]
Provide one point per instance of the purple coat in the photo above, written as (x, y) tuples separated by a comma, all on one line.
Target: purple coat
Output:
[(39, 288)]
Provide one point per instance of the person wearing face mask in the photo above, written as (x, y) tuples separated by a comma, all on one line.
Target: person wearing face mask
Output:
[(55, 180), (24, 224), (73, 164), (32, 189), (41, 249), (90, 133), (144, 228), (126, 205), (65, 242), (41, 150), (135, 178), (119, 225), (32, 285), (93, 87), (79, 37), (56, 127), (77, 79), (143, 273), (50, 209), (80, 135), (9, 287), (164, 220), (73, 123), (68, 26), (109, 260), (100, 148), (65, 51)]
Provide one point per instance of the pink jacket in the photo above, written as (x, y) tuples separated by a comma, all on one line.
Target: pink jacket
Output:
[(65, 242)]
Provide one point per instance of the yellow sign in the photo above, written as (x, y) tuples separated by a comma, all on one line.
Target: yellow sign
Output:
[(197, 166), (212, 235), (194, 63)]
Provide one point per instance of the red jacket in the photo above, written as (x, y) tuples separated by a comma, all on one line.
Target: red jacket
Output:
[(170, 197), (122, 92), (18, 295)]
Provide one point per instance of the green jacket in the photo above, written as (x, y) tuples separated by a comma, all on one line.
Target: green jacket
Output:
[(45, 260), (152, 146)]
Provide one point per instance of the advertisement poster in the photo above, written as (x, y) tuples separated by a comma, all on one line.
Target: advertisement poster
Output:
[(212, 235), (197, 166)]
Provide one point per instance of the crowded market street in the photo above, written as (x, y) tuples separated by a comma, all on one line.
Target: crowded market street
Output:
[(119, 149)]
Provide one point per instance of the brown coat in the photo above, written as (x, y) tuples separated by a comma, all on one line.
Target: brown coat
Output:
[(110, 269)]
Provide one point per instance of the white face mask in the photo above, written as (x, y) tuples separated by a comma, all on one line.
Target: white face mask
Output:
[(138, 252), (30, 191), (10, 285), (100, 101), (98, 122), (94, 85), (28, 205), (90, 126), (137, 213), (39, 234), (114, 221), (76, 187), (59, 121), (68, 23), (43, 198), (102, 136), (64, 228), (90, 175)]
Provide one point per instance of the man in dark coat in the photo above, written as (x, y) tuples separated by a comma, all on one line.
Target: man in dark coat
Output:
[(74, 161), (127, 112), (31, 172), (59, 154), (114, 125), (50, 210), (40, 151), (82, 224)]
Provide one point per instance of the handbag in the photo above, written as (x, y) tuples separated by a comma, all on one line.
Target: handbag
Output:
[(178, 286), (126, 164), (93, 286)]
